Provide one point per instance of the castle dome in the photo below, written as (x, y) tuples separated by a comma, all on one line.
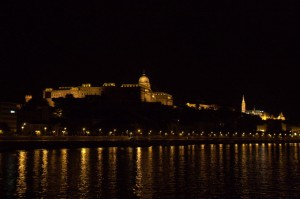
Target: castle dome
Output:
[(144, 81)]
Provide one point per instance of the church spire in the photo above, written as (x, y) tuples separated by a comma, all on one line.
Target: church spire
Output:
[(243, 108)]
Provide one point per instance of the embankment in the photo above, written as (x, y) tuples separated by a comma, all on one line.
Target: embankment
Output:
[(40, 142)]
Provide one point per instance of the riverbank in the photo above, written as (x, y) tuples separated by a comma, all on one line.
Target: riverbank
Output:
[(40, 142)]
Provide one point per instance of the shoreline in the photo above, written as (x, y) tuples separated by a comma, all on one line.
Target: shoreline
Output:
[(47, 142)]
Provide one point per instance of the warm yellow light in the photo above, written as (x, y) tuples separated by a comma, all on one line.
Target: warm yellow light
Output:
[(37, 132)]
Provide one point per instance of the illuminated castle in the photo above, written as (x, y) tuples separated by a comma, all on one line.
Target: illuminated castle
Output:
[(262, 114), (126, 92)]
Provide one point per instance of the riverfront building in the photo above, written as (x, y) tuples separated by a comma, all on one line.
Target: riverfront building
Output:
[(125, 92)]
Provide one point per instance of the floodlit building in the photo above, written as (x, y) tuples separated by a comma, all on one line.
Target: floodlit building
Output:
[(203, 106), (131, 92), (209, 107), (262, 114)]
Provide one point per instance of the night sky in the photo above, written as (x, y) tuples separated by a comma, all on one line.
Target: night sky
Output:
[(209, 51)]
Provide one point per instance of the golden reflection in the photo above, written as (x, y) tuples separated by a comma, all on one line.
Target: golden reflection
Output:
[(263, 164), (160, 150), (213, 152), (44, 174), (84, 171), (36, 169), (160, 160), (269, 144), (100, 166), (138, 178), (257, 154), (21, 180), (236, 152), (98, 172), (281, 153), (250, 166), (205, 175), (250, 146), (150, 152), (172, 167), (227, 148), (192, 151), (269, 152), (145, 173), (64, 171), (181, 151), (244, 165), (220, 158), (130, 154), (112, 168), (280, 150), (172, 156), (100, 151), (149, 171), (180, 160)]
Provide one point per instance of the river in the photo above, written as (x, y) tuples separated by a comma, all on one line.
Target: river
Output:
[(191, 171)]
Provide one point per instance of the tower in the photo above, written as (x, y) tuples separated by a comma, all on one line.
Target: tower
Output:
[(243, 108), (146, 92), (144, 82)]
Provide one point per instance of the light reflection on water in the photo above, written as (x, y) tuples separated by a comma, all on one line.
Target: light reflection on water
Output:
[(194, 171), (21, 180)]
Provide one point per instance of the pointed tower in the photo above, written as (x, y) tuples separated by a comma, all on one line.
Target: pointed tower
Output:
[(281, 116), (243, 108)]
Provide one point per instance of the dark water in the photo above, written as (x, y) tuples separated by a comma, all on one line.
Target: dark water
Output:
[(195, 171)]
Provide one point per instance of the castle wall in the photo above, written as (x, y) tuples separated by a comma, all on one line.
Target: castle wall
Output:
[(126, 92)]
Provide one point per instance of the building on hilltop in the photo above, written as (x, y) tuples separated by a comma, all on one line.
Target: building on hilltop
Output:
[(209, 106), (262, 114), (141, 92), (203, 106)]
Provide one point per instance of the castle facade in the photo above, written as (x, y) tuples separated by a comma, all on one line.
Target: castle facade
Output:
[(262, 114), (141, 92)]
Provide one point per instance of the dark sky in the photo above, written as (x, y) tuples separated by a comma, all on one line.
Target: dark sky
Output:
[(213, 51)]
